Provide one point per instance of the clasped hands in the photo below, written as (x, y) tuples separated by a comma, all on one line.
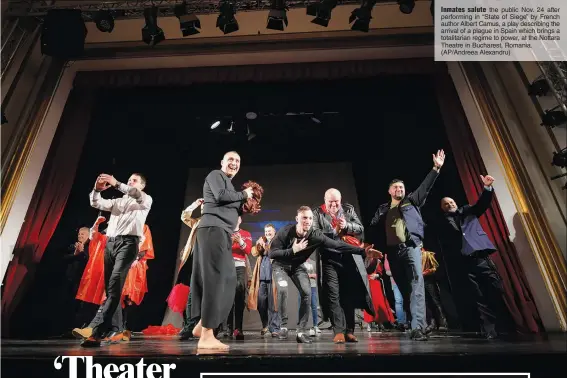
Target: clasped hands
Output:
[(105, 181)]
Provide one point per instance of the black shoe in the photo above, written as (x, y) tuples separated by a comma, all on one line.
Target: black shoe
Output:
[(283, 334), (491, 335), (302, 338), (185, 334), (443, 325), (418, 335)]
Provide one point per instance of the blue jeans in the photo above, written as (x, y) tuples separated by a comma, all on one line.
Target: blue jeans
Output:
[(314, 304), (405, 265), (399, 305)]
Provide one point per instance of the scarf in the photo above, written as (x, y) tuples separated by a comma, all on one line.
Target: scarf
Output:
[(335, 223)]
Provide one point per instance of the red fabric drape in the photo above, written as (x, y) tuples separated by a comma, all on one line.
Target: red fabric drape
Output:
[(48, 201), (518, 297)]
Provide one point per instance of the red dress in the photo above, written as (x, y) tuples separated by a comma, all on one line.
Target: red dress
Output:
[(91, 288), (381, 306)]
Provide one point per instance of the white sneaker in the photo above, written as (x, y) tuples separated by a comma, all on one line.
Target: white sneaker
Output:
[(317, 331), (312, 332), (368, 328)]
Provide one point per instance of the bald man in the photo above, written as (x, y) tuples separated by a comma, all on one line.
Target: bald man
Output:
[(465, 242), (213, 279), (343, 279)]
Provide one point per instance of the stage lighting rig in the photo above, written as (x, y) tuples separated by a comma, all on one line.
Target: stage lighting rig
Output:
[(406, 6), (188, 23), (322, 11), (539, 88), (152, 34), (226, 20), (553, 118), (277, 17), (362, 16), (104, 20)]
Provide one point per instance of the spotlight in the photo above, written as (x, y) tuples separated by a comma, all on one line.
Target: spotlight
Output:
[(406, 6), (152, 34), (539, 88), (322, 11), (277, 17), (560, 158), (104, 21), (215, 125), (362, 16), (188, 23), (249, 134), (553, 118), (226, 20), (251, 115)]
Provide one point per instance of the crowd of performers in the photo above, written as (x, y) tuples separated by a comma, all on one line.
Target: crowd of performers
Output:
[(215, 282)]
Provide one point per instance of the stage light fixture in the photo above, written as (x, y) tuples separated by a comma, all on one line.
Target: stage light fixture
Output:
[(215, 125), (362, 16), (277, 17), (226, 21), (560, 159), (321, 11), (553, 118), (152, 34), (189, 23), (406, 6), (539, 88), (104, 21)]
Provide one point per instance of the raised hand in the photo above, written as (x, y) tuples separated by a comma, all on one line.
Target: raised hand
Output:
[(109, 179), (99, 220), (299, 245), (101, 184), (250, 192), (439, 159), (487, 180), (373, 253)]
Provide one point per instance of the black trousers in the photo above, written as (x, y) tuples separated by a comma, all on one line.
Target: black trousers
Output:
[(433, 299), (300, 279), (213, 281), (236, 315), (117, 319), (487, 288), (339, 297), (119, 254)]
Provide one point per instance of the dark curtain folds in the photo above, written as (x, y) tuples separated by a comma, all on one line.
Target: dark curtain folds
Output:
[(518, 297), (254, 73), (48, 201)]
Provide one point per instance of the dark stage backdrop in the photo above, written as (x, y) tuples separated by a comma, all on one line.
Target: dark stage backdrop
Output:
[(286, 188)]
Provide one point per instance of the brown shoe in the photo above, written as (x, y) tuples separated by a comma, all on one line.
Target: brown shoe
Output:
[(126, 335), (82, 333), (339, 338), (114, 338), (350, 338)]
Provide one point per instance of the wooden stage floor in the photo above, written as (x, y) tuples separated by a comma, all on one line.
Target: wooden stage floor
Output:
[(542, 355)]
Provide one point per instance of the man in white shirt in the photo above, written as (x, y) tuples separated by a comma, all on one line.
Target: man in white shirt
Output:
[(125, 229)]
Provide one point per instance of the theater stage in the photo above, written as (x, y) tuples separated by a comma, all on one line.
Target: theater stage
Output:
[(542, 356)]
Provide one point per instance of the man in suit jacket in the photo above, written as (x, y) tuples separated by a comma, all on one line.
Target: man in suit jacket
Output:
[(465, 241)]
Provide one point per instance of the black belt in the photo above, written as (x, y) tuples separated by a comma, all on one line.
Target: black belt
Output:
[(122, 237), (399, 247)]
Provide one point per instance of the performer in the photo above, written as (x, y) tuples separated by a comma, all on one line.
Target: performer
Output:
[(213, 282), (91, 289), (179, 300), (125, 228), (465, 242), (382, 312), (262, 295), (291, 247), (241, 248), (76, 257), (344, 281), (400, 232)]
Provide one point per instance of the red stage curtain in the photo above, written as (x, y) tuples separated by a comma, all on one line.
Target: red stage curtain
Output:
[(518, 297), (48, 201)]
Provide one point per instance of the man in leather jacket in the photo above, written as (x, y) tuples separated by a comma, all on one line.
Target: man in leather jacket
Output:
[(400, 231), (343, 282)]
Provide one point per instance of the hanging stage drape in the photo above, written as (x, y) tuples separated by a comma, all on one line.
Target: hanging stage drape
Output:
[(518, 297), (48, 201)]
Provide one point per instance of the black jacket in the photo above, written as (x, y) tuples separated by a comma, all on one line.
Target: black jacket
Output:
[(410, 212), (356, 265)]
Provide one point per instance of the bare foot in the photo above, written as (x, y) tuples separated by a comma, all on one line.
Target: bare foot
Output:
[(211, 343), (197, 330)]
